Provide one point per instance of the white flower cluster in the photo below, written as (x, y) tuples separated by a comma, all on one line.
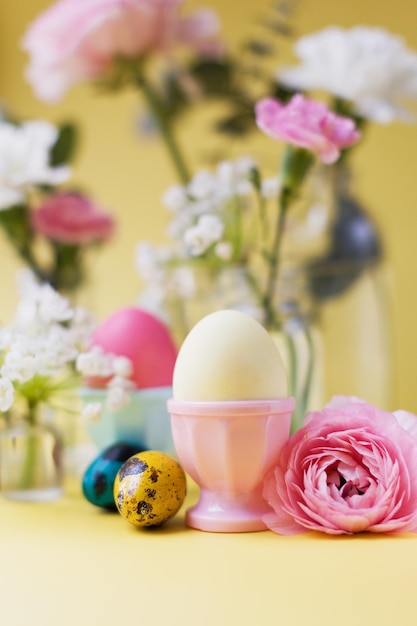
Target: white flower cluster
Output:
[(24, 160), (214, 217), (367, 66), (153, 263), (43, 339), (202, 210), (100, 364)]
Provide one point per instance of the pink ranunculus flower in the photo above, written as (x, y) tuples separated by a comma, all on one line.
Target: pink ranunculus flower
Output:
[(307, 124), (351, 468), (78, 40), (72, 219)]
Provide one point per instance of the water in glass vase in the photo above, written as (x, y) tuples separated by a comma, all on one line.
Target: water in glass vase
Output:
[(30, 462)]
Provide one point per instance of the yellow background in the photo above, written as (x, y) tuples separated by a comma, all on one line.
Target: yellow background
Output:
[(67, 563), (127, 174)]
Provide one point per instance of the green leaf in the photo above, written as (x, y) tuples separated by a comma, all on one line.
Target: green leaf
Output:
[(16, 224), (64, 148), (214, 77), (236, 124), (259, 48)]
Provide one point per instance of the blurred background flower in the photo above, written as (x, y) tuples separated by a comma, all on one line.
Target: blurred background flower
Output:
[(51, 230)]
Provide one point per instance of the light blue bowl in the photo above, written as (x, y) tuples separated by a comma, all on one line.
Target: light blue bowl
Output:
[(145, 421)]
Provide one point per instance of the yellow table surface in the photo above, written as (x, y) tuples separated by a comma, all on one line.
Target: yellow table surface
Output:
[(68, 563)]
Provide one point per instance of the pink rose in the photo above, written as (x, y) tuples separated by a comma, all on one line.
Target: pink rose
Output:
[(78, 40), (73, 219), (306, 124), (351, 468)]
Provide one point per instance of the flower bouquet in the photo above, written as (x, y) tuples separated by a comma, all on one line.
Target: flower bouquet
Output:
[(38, 352), (50, 228)]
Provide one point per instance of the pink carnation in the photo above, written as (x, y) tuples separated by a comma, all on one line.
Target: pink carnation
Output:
[(78, 40), (72, 219), (351, 468), (306, 124)]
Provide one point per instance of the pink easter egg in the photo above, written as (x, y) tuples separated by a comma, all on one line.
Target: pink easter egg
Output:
[(142, 338)]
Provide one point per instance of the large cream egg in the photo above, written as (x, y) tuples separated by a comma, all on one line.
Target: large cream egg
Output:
[(229, 356)]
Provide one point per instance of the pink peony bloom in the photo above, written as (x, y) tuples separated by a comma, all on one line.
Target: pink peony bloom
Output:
[(73, 219), (78, 40), (306, 124), (351, 468)]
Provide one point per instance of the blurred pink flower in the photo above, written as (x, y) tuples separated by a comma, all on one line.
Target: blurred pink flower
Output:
[(306, 124), (73, 219), (78, 40), (351, 468)]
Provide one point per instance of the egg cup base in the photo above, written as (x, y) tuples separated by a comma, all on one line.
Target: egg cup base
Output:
[(224, 513)]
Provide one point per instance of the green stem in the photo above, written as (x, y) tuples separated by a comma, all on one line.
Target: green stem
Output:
[(268, 300), (295, 166), (165, 129), (310, 369), (16, 226)]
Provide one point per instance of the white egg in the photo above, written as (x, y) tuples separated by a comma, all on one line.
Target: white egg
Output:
[(229, 356)]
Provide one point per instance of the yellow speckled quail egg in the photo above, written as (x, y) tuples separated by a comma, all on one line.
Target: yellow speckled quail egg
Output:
[(150, 488)]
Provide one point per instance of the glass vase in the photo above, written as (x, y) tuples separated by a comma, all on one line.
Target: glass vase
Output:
[(30, 462), (351, 283), (294, 329)]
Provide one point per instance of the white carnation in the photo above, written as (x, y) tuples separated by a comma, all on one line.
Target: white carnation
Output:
[(367, 66), (24, 160)]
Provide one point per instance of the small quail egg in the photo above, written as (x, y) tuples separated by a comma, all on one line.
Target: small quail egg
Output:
[(98, 478), (149, 488)]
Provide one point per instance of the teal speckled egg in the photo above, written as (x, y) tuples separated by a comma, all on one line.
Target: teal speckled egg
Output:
[(98, 479)]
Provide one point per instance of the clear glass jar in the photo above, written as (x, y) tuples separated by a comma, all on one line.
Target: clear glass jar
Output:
[(30, 462), (294, 327)]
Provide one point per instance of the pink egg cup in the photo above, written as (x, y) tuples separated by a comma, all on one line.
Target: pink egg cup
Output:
[(227, 448)]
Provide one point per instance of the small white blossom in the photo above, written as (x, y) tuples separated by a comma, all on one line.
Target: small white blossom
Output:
[(224, 250), (27, 285), (19, 369), (270, 188), (200, 237), (24, 160), (92, 412), (122, 366), (6, 338), (117, 398), (226, 172), (243, 188), (369, 67), (175, 198), (244, 164), (202, 185), (6, 394), (95, 363), (212, 226), (82, 327), (120, 381), (195, 241), (52, 306)]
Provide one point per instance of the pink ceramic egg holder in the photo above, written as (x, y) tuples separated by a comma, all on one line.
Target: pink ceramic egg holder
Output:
[(227, 448)]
